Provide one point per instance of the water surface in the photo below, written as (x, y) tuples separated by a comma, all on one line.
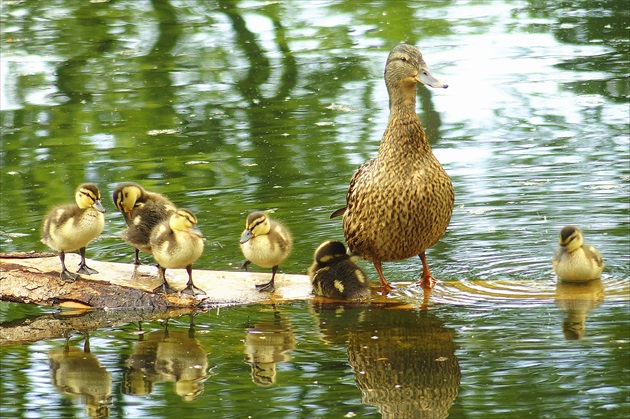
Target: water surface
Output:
[(229, 107)]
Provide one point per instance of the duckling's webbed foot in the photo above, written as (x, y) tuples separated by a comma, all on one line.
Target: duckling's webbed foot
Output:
[(164, 289), (191, 289), (83, 268), (66, 275), (246, 264), (269, 286)]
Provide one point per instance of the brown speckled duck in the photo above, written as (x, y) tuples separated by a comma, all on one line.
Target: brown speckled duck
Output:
[(143, 210), (574, 260), (70, 227), (400, 203)]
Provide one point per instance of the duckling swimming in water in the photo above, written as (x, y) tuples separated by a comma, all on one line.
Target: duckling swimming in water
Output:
[(266, 243), (335, 275), (70, 227), (143, 210), (574, 260), (177, 243), (399, 203)]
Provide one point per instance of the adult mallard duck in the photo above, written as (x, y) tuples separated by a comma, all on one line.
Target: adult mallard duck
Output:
[(266, 243), (399, 203), (177, 243), (143, 210), (333, 274), (574, 260), (72, 226)]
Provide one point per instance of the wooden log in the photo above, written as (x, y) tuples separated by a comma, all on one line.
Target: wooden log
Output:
[(34, 279)]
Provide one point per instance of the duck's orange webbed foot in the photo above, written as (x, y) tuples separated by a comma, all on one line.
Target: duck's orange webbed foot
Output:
[(386, 287), (426, 281)]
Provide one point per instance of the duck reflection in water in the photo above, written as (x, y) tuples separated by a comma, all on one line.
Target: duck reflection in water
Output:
[(78, 372), (576, 299), (167, 356), (267, 344), (403, 360)]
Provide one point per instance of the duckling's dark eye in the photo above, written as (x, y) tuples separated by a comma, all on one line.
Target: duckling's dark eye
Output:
[(403, 59)]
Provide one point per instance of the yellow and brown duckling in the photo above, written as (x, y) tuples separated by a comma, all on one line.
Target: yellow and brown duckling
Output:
[(574, 260), (70, 227), (143, 210), (400, 203), (177, 243), (335, 275), (266, 243)]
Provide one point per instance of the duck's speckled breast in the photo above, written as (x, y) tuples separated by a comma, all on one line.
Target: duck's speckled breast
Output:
[(400, 203)]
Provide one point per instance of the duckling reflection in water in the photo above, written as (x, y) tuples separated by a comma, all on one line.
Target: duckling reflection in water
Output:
[(400, 203), (267, 344), (70, 227), (78, 372), (576, 299), (574, 260), (177, 243), (143, 210), (334, 275), (266, 243), (167, 356)]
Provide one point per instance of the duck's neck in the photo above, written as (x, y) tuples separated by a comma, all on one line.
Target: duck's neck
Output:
[(404, 135)]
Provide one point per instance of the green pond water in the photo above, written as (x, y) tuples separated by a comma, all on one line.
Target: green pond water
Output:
[(228, 107)]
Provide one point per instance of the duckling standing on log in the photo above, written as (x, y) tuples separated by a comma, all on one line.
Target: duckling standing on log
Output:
[(574, 260), (400, 203), (177, 243), (143, 210), (266, 243), (72, 226), (335, 275)]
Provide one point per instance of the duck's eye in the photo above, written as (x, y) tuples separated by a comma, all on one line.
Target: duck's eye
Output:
[(403, 59)]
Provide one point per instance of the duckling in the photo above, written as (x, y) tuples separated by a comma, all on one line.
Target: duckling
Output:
[(142, 210), (266, 243), (574, 260), (177, 243), (70, 227), (335, 275), (399, 203)]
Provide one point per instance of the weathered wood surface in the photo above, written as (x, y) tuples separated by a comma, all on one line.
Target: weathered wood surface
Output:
[(35, 280)]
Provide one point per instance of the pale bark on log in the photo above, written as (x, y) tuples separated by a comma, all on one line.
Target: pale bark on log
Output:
[(35, 280)]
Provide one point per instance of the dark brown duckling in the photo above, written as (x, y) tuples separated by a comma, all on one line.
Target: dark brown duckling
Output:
[(143, 210), (334, 274)]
